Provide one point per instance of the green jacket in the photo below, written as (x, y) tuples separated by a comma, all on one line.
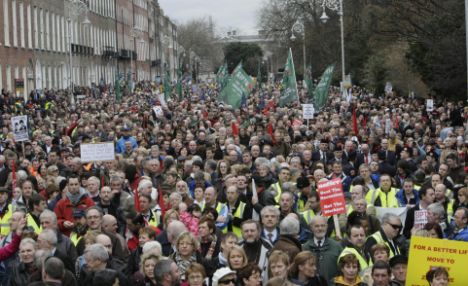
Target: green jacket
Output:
[(327, 257)]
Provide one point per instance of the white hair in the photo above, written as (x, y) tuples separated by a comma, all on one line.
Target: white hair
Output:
[(289, 226)]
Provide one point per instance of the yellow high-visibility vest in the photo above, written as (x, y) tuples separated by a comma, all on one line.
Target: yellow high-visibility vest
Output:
[(387, 200), (4, 222), (32, 223), (351, 250)]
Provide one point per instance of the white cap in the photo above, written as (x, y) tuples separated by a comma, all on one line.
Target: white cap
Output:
[(221, 273)]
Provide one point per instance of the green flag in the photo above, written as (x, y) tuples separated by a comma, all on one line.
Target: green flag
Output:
[(167, 85), (289, 93), (222, 75), (237, 88), (321, 91)]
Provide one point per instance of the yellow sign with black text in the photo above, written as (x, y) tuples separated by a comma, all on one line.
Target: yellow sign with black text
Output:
[(426, 253)]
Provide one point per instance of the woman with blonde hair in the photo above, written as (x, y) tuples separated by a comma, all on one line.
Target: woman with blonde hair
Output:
[(237, 259), (303, 270), (145, 277)]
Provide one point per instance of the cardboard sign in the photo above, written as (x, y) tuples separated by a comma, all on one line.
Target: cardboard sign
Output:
[(97, 152), (429, 105), (420, 219), (19, 125), (426, 253), (308, 111), (332, 200)]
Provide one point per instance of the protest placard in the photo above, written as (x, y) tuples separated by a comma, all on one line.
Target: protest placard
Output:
[(426, 253), (429, 105), (19, 125), (308, 111), (420, 219), (332, 201), (97, 152)]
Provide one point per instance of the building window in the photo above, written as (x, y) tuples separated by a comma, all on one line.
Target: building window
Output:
[(36, 28), (13, 19), (29, 28), (21, 18), (8, 77), (6, 23)]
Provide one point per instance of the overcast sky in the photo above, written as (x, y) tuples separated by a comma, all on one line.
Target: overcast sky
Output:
[(227, 14)]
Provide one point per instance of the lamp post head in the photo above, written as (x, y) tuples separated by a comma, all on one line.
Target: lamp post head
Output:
[(293, 38), (324, 18)]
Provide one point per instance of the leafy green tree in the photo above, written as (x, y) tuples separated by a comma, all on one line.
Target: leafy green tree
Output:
[(249, 54)]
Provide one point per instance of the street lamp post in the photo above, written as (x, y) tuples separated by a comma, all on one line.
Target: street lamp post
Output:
[(76, 9), (336, 5), (299, 28)]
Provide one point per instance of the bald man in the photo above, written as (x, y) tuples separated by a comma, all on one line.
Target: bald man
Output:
[(114, 263), (109, 224)]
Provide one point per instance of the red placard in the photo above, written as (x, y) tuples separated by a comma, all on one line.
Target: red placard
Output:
[(332, 201)]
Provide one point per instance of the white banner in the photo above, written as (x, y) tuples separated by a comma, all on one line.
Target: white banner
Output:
[(97, 152), (308, 111)]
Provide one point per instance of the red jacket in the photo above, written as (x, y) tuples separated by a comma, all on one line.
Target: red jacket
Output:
[(11, 248), (64, 211)]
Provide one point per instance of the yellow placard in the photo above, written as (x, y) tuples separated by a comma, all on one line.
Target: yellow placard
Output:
[(426, 253)]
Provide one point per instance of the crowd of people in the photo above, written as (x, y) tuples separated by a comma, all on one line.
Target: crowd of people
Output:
[(201, 193)]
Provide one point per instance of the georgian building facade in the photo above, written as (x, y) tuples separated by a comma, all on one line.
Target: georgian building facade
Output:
[(99, 39)]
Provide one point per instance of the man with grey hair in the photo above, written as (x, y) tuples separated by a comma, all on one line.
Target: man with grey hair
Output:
[(270, 216), (166, 272), (48, 220), (288, 241), (325, 249), (47, 240), (96, 256), (390, 229)]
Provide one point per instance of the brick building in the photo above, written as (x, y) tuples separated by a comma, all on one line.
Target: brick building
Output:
[(108, 37)]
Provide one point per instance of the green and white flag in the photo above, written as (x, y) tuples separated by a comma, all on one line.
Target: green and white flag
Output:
[(222, 76), (321, 91), (237, 89), (289, 93)]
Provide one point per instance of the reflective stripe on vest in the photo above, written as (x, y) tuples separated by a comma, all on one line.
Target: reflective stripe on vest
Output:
[(387, 200), (4, 222), (154, 220), (238, 214), (379, 239), (75, 238), (350, 250), (32, 223), (300, 204), (308, 215), (278, 190)]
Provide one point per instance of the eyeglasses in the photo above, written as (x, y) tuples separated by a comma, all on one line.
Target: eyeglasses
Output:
[(396, 226), (233, 281)]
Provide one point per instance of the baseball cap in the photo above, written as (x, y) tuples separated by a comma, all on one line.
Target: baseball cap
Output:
[(220, 274)]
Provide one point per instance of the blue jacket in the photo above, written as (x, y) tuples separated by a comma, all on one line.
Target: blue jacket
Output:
[(461, 235), (120, 146), (402, 198)]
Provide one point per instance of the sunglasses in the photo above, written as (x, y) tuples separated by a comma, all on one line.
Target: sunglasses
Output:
[(396, 226), (233, 281)]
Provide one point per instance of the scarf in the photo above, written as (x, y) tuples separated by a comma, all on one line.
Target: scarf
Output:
[(184, 264), (75, 199)]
